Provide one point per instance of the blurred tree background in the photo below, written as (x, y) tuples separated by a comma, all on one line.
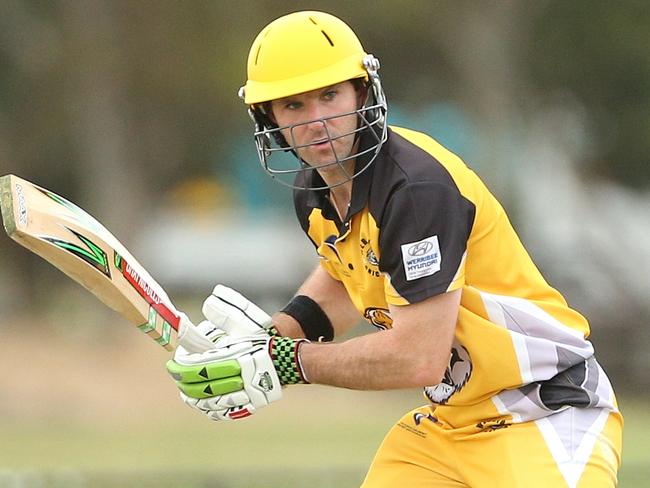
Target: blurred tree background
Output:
[(130, 108)]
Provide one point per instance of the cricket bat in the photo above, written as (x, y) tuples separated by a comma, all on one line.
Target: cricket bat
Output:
[(69, 238)]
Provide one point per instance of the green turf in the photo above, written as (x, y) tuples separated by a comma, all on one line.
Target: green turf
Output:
[(298, 478), (302, 445), (278, 448)]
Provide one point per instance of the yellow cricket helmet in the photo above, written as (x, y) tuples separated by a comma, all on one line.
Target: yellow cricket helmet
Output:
[(300, 52)]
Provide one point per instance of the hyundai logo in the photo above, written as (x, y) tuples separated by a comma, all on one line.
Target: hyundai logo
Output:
[(420, 249)]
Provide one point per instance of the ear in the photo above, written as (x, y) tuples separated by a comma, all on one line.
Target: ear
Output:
[(362, 92)]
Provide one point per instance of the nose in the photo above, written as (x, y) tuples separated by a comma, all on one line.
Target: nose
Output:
[(317, 128), (310, 128), (314, 113)]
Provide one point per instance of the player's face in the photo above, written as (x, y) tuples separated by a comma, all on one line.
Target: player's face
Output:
[(306, 120)]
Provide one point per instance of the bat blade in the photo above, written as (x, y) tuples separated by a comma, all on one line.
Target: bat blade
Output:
[(72, 240)]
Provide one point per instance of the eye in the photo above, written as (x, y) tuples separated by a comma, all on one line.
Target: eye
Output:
[(330, 94), (292, 105)]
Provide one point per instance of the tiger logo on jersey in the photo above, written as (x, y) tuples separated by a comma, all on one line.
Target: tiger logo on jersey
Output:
[(379, 317), (456, 376), (371, 262)]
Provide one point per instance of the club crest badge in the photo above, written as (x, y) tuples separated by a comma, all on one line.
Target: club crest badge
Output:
[(370, 260)]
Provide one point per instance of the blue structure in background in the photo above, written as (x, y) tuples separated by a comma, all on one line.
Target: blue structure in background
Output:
[(255, 189), (443, 121)]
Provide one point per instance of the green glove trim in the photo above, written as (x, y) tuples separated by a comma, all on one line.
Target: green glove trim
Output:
[(284, 353), (212, 388), (203, 372)]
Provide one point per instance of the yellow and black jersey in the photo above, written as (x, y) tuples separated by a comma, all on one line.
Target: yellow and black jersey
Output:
[(421, 223)]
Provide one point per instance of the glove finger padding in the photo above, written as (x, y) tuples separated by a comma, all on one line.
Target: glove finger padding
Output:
[(208, 389), (227, 347), (206, 329), (236, 399), (231, 381), (229, 310), (233, 406), (210, 330)]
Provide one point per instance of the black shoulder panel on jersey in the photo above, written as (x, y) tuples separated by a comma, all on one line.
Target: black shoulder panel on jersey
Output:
[(424, 220)]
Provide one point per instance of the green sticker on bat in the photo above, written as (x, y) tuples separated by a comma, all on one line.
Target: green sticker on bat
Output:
[(151, 322), (166, 335), (92, 253)]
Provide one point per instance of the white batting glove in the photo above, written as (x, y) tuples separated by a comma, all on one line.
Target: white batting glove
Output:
[(247, 367), (231, 381), (230, 311)]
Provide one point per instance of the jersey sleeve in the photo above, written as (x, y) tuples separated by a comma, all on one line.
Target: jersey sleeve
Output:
[(423, 240)]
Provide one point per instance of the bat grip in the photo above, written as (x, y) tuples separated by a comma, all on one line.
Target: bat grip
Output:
[(191, 339)]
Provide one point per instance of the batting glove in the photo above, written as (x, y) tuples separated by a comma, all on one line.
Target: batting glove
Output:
[(232, 312), (247, 368)]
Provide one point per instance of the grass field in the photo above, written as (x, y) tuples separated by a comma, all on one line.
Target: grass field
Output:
[(312, 449), (89, 417), (296, 446)]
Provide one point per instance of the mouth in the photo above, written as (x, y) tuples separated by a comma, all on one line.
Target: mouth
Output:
[(320, 143)]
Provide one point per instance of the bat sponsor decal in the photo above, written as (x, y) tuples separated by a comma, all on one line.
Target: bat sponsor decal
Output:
[(92, 254)]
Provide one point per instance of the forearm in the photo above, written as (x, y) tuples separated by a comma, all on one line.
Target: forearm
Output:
[(414, 353), (372, 362)]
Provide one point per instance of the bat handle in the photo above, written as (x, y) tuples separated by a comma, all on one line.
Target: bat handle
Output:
[(190, 338)]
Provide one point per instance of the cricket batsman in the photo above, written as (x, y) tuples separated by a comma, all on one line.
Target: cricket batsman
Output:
[(410, 239)]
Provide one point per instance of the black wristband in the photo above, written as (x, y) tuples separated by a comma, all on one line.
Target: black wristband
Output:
[(312, 319)]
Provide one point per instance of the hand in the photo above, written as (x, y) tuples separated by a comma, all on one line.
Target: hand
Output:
[(230, 311), (231, 381), (227, 311), (246, 368)]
